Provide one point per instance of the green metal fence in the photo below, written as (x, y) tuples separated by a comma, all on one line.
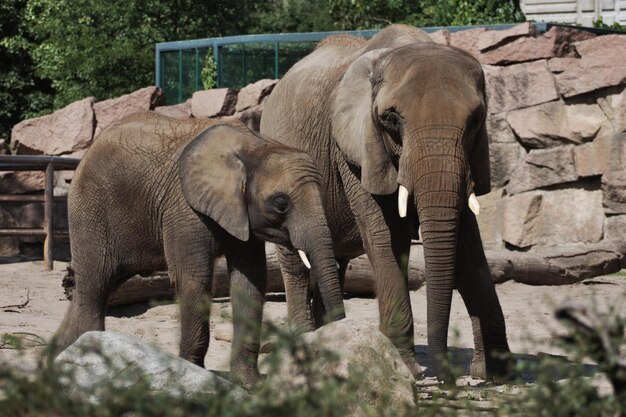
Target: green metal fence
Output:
[(242, 60)]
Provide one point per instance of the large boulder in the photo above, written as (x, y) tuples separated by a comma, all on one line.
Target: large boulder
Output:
[(602, 64), (65, 131), (99, 359), (493, 38), (520, 50), (543, 167), (552, 217), (467, 40), (592, 159), (109, 111), (364, 353), (615, 228), (176, 111), (213, 103), (504, 159), (614, 106), (518, 86), (252, 94), (555, 123), (441, 36), (614, 178)]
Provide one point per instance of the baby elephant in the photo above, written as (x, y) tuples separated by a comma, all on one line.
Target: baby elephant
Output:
[(154, 193)]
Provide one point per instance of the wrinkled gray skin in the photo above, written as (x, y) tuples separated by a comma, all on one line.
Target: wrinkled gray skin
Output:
[(398, 109), (155, 193)]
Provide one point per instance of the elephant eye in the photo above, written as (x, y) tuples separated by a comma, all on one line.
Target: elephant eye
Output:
[(280, 203), (392, 119)]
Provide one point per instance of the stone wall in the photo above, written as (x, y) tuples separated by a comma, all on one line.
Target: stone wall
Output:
[(557, 117), (557, 126)]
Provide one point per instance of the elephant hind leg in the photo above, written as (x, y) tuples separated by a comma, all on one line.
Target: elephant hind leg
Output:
[(473, 281), (87, 310)]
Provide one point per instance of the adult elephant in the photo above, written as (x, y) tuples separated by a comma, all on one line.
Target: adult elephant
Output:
[(155, 193), (386, 119)]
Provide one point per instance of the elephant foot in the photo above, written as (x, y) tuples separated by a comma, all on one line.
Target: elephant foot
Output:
[(499, 369), (408, 356), (245, 376), (478, 368)]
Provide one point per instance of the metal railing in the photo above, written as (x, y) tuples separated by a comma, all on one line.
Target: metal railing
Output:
[(49, 164)]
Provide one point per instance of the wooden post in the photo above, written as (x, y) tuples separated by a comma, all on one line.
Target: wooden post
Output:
[(48, 244)]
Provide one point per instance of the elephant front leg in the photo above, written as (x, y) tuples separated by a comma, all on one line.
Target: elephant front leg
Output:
[(194, 298), (387, 241), (473, 281), (248, 278), (297, 292)]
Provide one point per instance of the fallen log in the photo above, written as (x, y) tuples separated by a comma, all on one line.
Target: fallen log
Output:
[(548, 266)]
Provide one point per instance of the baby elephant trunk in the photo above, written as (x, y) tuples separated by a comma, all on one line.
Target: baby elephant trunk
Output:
[(316, 251)]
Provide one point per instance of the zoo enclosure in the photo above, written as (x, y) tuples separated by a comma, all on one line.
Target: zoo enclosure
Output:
[(241, 60)]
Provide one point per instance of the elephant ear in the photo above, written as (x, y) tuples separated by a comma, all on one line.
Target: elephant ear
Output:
[(213, 178), (354, 130), (479, 162)]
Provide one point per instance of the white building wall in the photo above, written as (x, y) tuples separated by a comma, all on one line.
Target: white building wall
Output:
[(583, 12)]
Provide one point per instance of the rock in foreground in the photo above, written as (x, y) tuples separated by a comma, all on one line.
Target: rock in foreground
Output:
[(364, 354), (99, 358)]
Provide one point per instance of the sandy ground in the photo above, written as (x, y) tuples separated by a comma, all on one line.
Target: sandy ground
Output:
[(528, 311)]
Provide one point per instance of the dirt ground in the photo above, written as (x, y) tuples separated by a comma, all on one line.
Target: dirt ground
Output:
[(528, 311)]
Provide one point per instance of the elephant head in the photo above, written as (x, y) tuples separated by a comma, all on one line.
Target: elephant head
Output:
[(413, 119), (251, 185)]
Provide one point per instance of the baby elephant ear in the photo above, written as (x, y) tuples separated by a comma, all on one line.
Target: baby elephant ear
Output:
[(213, 178)]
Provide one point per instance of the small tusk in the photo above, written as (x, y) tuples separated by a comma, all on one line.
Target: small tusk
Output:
[(473, 204), (305, 260), (403, 197), (337, 263)]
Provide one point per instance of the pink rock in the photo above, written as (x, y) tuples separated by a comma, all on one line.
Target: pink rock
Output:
[(176, 111), (442, 36), (66, 130), (109, 111), (552, 217), (518, 86), (615, 228), (614, 177), (593, 158), (213, 103), (563, 39), (614, 106), (504, 158), (602, 64), (543, 167), (467, 40), (252, 94), (493, 38), (555, 123), (520, 50)]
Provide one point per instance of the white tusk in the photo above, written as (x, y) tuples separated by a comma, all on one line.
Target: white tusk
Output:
[(403, 197), (337, 263), (305, 260), (473, 204)]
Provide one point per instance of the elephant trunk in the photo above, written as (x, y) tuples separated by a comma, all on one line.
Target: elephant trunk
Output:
[(438, 181), (316, 243)]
